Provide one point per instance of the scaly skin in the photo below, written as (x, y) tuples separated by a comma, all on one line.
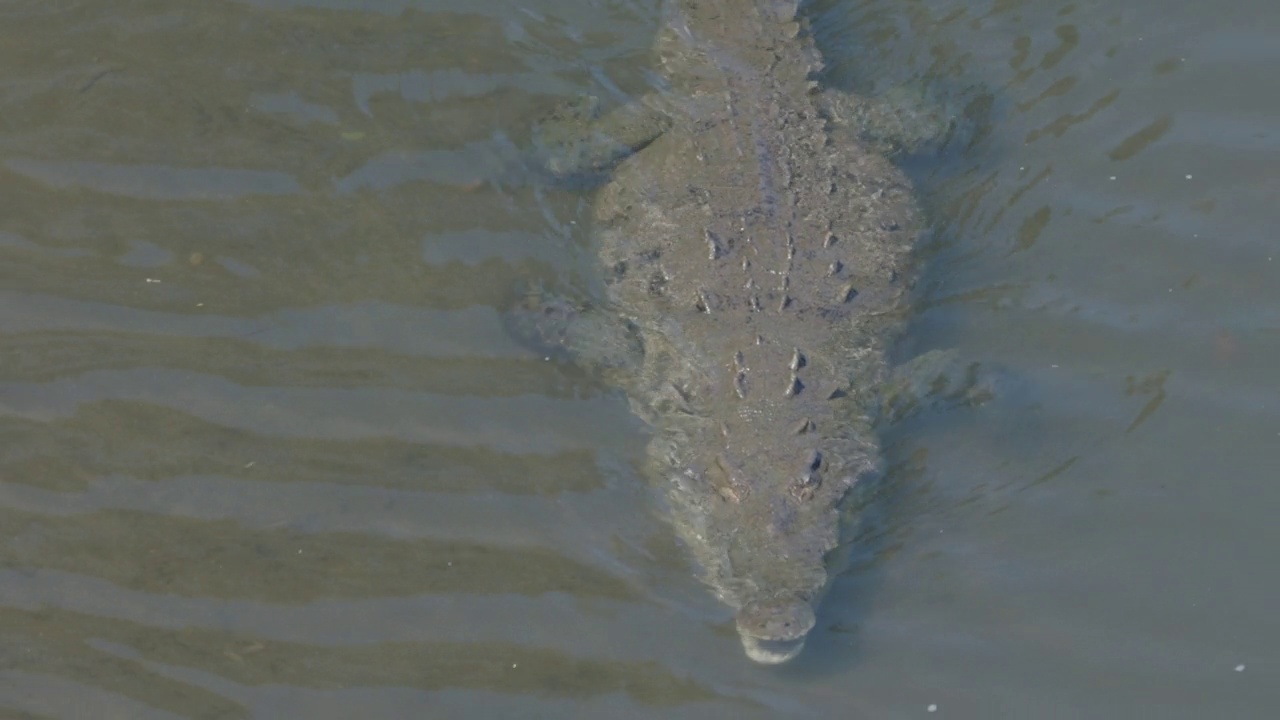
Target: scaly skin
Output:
[(764, 268)]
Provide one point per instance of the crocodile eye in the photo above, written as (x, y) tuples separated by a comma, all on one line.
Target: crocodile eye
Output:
[(815, 461)]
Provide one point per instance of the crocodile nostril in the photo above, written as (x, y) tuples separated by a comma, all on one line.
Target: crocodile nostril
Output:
[(815, 461)]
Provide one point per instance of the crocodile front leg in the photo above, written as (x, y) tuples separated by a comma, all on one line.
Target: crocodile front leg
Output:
[(598, 341)]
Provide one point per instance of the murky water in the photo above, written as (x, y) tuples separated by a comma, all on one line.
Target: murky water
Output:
[(270, 453)]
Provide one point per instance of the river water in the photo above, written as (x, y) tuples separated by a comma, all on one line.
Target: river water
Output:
[(269, 452)]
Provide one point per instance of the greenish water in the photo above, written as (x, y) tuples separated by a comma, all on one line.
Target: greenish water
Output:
[(269, 452)]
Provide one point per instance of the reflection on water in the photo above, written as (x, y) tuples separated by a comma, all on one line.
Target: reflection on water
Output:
[(269, 451)]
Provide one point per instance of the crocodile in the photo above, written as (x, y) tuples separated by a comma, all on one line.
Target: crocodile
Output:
[(758, 260)]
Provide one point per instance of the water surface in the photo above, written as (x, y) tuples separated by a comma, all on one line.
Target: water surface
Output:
[(269, 451)]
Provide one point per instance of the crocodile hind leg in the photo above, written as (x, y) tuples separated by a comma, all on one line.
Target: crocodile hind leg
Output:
[(902, 120), (579, 142)]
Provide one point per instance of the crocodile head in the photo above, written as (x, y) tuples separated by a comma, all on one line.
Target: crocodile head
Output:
[(772, 538), (763, 524), (774, 631)]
